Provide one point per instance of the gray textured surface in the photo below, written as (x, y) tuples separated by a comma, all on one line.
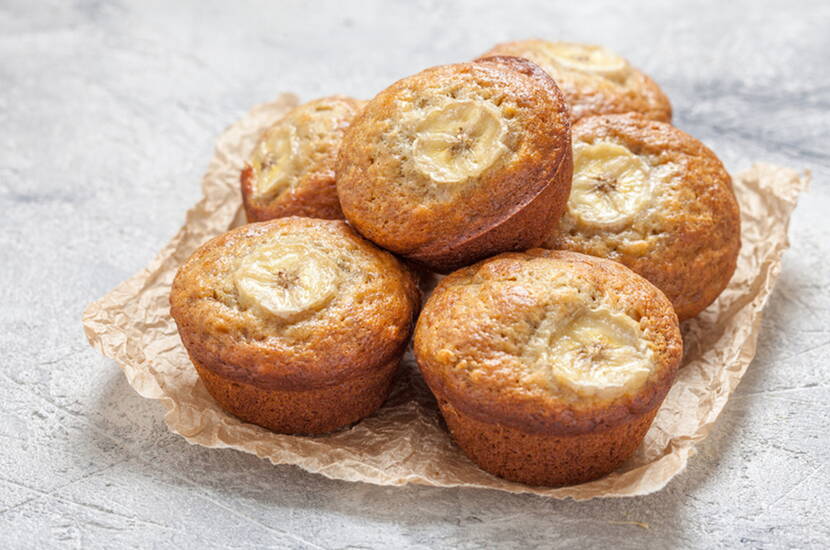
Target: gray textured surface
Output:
[(107, 115)]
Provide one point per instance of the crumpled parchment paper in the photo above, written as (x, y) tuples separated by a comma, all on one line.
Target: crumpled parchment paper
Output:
[(405, 442)]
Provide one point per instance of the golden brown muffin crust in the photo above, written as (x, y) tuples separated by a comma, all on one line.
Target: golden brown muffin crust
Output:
[(591, 93), (314, 411), (365, 323), (389, 193), (542, 459), (291, 169), (686, 241), (473, 340)]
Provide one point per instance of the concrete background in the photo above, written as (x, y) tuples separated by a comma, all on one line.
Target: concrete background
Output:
[(107, 116)]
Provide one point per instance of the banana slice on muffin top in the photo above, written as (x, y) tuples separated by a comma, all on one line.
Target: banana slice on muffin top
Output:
[(288, 279), (458, 162), (291, 170), (459, 140), (592, 352), (657, 200), (594, 79), (610, 186)]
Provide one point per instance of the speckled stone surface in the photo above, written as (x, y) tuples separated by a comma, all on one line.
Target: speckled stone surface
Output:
[(107, 116)]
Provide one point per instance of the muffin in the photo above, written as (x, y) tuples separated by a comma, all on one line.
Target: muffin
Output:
[(291, 170), (548, 366), (595, 80), (458, 162), (295, 324), (657, 200)]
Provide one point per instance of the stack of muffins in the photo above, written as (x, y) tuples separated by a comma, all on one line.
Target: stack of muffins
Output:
[(577, 227)]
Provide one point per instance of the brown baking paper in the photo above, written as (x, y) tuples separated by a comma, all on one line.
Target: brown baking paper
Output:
[(405, 442)]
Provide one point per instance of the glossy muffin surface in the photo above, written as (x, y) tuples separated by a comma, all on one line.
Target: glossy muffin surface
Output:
[(548, 366), (291, 170), (594, 79), (296, 324), (657, 200), (458, 162)]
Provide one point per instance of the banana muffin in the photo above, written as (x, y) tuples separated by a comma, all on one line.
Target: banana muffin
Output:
[(291, 169), (657, 200), (548, 366), (295, 324), (595, 80), (459, 162)]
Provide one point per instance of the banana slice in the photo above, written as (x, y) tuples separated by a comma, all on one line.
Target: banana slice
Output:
[(588, 58), (600, 353), (273, 160), (611, 185), (459, 141), (288, 281)]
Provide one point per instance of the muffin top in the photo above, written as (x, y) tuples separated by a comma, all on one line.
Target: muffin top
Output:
[(293, 303), (595, 80), (444, 156), (291, 169), (548, 342), (657, 200)]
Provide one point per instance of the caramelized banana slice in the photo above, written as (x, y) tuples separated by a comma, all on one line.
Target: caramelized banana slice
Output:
[(611, 185), (588, 58), (273, 160), (598, 352), (288, 282), (459, 141)]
